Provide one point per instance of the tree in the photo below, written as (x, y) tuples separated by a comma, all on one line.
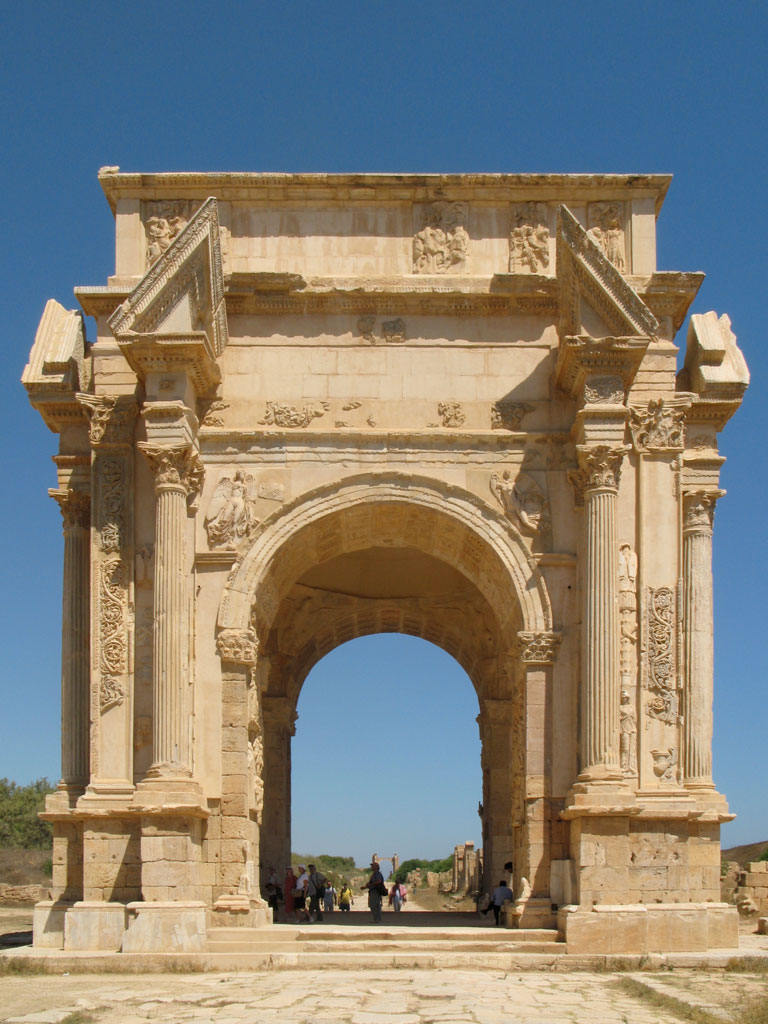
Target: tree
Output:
[(20, 827)]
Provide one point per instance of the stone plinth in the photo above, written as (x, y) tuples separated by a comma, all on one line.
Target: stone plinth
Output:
[(165, 927), (93, 925)]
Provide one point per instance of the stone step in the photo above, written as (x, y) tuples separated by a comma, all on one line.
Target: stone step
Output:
[(281, 960), (288, 935)]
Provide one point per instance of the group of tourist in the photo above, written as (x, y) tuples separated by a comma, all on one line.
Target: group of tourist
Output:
[(309, 894)]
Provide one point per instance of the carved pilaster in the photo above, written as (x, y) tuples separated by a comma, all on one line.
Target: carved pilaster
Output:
[(111, 426), (598, 481), (279, 717), (698, 680), (75, 509)]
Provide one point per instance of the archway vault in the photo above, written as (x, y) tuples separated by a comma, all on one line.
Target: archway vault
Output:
[(388, 511)]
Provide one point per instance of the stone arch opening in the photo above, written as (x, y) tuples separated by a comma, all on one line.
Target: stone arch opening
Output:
[(399, 772), (387, 553)]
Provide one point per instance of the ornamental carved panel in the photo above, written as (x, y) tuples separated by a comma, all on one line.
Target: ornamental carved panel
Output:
[(441, 242), (661, 677), (529, 238)]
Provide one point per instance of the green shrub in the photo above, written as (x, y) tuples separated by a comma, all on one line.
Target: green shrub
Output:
[(20, 826), (764, 854)]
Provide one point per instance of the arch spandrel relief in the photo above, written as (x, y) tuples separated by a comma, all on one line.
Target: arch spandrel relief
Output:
[(463, 424)]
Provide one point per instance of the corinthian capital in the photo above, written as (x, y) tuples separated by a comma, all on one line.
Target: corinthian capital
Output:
[(537, 648), (699, 510), (111, 419), (599, 468), (174, 467), (238, 645), (75, 507)]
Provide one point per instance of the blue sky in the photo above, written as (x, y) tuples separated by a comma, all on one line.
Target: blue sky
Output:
[(382, 86)]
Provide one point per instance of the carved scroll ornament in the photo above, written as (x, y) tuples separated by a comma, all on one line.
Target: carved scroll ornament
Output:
[(112, 632), (661, 655), (604, 391)]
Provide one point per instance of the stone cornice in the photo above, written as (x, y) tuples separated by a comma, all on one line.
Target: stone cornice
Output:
[(345, 188), (265, 293), (581, 357)]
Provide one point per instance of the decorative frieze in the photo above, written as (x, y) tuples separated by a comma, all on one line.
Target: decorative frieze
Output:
[(238, 646), (523, 502), (658, 427), (441, 242), (392, 331), (507, 415), (278, 415), (209, 411), (529, 238), (537, 648)]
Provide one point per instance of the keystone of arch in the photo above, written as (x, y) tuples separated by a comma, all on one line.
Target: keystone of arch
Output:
[(456, 503)]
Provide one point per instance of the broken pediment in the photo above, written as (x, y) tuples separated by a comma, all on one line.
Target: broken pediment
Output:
[(175, 318), (56, 369), (594, 297)]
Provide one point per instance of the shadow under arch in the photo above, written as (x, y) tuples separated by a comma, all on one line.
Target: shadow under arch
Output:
[(478, 539)]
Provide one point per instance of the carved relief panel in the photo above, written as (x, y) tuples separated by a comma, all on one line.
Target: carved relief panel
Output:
[(163, 222), (529, 238), (440, 241), (606, 225)]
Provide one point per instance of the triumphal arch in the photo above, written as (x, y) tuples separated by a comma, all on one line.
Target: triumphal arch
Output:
[(324, 406)]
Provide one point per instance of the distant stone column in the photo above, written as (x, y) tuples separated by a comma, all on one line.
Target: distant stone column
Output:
[(75, 509), (173, 468), (698, 625), (598, 480)]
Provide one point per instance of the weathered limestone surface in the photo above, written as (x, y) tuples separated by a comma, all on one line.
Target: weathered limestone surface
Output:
[(323, 406)]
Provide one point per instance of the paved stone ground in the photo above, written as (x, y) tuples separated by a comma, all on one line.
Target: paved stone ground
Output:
[(370, 997)]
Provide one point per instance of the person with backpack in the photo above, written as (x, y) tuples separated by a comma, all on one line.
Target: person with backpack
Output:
[(397, 896)]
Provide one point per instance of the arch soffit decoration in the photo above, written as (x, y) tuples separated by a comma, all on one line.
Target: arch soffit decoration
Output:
[(493, 531)]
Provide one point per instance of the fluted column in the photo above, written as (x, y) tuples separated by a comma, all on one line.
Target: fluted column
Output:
[(75, 639), (698, 625), (598, 479), (173, 468)]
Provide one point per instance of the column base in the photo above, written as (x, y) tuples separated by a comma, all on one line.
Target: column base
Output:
[(534, 912), (165, 927), (107, 793), (599, 796), (170, 791)]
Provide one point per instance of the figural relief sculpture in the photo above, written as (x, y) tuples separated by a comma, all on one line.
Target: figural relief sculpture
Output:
[(441, 245), (523, 502), (232, 510), (529, 238), (606, 226)]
